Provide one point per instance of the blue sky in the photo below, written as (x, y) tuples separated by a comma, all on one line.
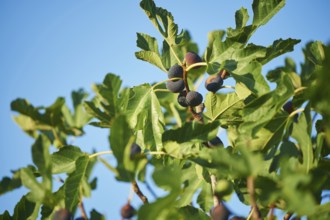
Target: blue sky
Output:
[(49, 48)]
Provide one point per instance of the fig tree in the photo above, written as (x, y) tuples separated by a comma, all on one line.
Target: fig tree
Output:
[(127, 211), (175, 86), (194, 98), (182, 99), (213, 83), (176, 71), (191, 58)]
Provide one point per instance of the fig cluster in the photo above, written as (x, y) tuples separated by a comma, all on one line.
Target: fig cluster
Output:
[(176, 83)]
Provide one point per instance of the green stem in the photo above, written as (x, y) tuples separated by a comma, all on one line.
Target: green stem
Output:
[(176, 57), (296, 112), (57, 137), (195, 65), (164, 81), (155, 153), (299, 90), (228, 87), (100, 153), (161, 90)]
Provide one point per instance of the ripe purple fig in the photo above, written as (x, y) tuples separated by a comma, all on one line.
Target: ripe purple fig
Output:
[(176, 71), (194, 98), (135, 150), (62, 214), (215, 142), (220, 212), (175, 86), (127, 211), (191, 58), (213, 83), (288, 107), (182, 99)]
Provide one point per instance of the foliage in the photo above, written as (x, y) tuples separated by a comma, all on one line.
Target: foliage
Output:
[(275, 158)]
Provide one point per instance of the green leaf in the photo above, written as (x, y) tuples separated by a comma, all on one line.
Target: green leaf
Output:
[(261, 110), (163, 21), (241, 17), (278, 48), (119, 137), (37, 190), (24, 209), (73, 183), (192, 213), (268, 136), (264, 10), (222, 106), (5, 216), (95, 215), (192, 132), (144, 114), (301, 134), (64, 160), (205, 197), (41, 158), (152, 58), (8, 184), (93, 110), (150, 51)]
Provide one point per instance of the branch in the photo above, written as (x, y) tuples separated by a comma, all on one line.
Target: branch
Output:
[(138, 192), (255, 210), (82, 210), (216, 200)]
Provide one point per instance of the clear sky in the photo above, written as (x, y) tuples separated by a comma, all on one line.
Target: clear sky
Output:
[(49, 48)]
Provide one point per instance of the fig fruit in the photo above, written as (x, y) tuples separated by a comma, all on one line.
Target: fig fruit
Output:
[(176, 71), (213, 83), (191, 58), (127, 211), (194, 98), (175, 86)]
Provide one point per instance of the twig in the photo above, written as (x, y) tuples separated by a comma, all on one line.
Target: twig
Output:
[(250, 187), (138, 192), (130, 195), (57, 137), (82, 210), (213, 185)]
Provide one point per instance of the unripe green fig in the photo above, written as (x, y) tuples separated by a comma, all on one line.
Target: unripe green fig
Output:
[(223, 188), (176, 71), (191, 58), (220, 212), (127, 211), (62, 214), (182, 99), (175, 86), (215, 142), (135, 150), (213, 83), (194, 98)]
